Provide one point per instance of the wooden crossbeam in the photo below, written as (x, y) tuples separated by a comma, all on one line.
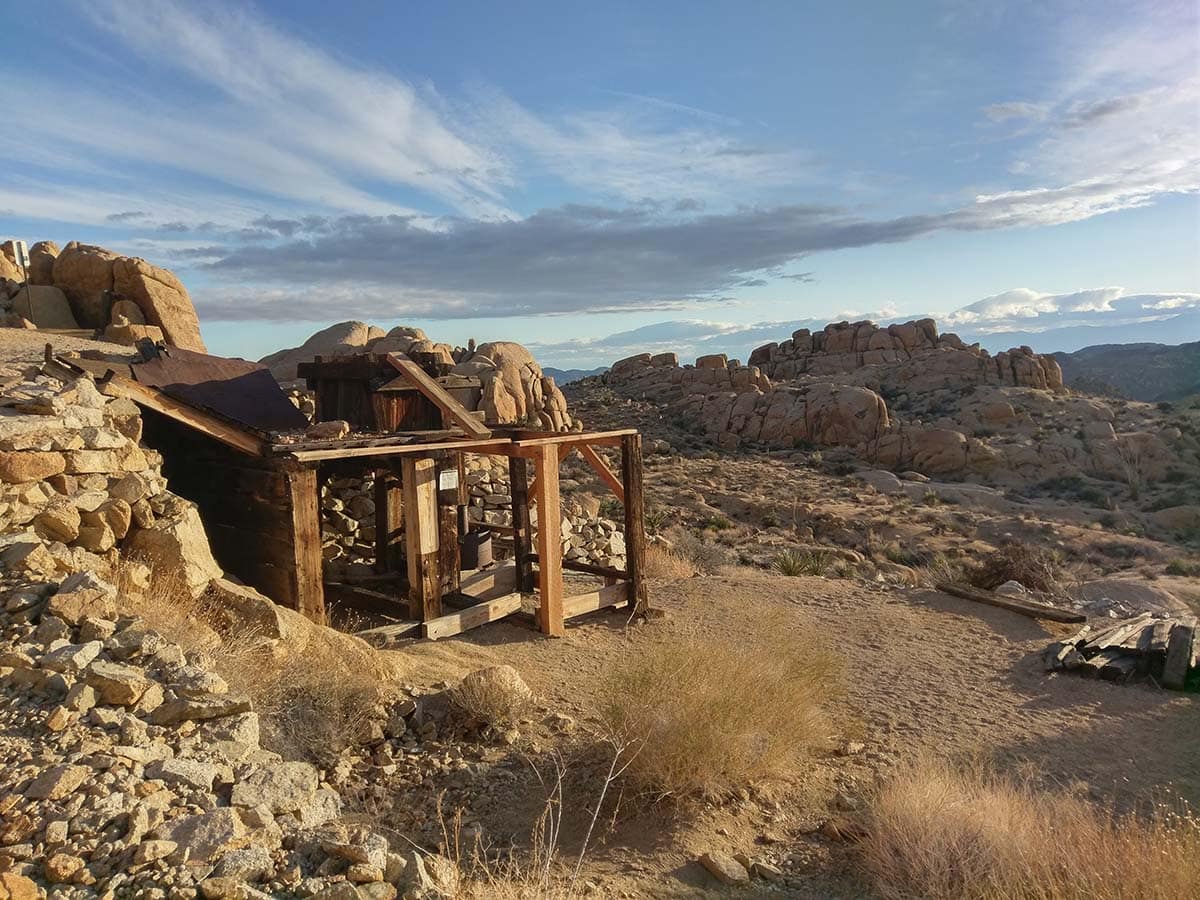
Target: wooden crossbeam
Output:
[(596, 461), (439, 396), (472, 617), (497, 445), (612, 595)]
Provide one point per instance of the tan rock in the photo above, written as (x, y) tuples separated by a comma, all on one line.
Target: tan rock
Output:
[(41, 262), (57, 782), (117, 684), (162, 298), (84, 273), (342, 339), (129, 334), (17, 467), (45, 306), (18, 887), (129, 311), (178, 542), (59, 521)]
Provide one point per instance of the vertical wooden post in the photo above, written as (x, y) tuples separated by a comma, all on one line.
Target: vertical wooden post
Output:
[(635, 526), (549, 536), (518, 485), (421, 537), (389, 520), (307, 582), (449, 552)]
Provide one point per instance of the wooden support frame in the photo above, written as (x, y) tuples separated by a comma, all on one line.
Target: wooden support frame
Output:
[(438, 395), (307, 575), (389, 521), (518, 485), (635, 523), (472, 617), (419, 477), (549, 542), (596, 461), (608, 596)]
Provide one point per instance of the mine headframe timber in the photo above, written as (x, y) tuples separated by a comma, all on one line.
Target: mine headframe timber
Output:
[(217, 423)]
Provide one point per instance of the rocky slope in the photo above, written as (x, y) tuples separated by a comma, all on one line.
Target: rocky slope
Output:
[(1148, 372), (83, 286)]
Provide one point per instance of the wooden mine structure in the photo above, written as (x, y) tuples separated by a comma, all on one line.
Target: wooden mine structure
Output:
[(217, 424)]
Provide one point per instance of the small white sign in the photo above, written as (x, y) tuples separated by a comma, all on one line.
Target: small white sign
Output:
[(21, 252), (447, 479)]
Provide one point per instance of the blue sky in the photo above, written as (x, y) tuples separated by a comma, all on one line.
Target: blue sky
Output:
[(559, 173)]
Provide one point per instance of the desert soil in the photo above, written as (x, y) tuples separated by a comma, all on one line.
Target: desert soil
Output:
[(924, 674)]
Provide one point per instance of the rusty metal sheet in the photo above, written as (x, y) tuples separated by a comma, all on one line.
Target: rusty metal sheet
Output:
[(242, 391)]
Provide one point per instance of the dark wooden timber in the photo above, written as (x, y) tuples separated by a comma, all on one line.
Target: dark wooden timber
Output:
[(389, 522), (635, 526), (518, 485), (1024, 607)]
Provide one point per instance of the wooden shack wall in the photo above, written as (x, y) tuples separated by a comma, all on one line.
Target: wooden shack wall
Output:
[(244, 502)]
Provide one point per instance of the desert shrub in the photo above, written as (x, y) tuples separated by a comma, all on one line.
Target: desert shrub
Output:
[(655, 519), (706, 556), (1034, 567), (611, 508), (717, 522), (903, 556), (795, 562), (495, 696), (1187, 567), (664, 563), (943, 832), (940, 568), (711, 715)]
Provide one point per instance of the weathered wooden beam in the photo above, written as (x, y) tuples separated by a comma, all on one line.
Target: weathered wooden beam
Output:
[(525, 439), (635, 522), (518, 485), (612, 595), (486, 579), (596, 461), (564, 451), (549, 543), (218, 429), (458, 413), (386, 635), (469, 445), (572, 565), (305, 508), (472, 617), (389, 521), (1024, 607), (419, 478)]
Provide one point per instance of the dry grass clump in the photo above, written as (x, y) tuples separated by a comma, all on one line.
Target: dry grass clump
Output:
[(1034, 567), (668, 564), (495, 696), (794, 563), (947, 833), (709, 716), (312, 700), (707, 557), (938, 568)]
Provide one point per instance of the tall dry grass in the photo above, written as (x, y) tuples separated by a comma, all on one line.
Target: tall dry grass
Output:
[(946, 832), (710, 715), (312, 701), (667, 564)]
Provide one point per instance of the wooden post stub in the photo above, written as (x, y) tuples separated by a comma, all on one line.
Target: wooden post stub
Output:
[(307, 577)]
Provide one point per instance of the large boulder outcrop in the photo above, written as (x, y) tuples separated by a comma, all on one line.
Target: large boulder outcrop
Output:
[(162, 298), (84, 272), (45, 306), (342, 339), (41, 262), (515, 391)]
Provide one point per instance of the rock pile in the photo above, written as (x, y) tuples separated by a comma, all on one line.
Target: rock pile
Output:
[(75, 483), (514, 390), (131, 769), (87, 287)]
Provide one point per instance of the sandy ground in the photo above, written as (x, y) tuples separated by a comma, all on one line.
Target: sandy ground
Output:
[(19, 346), (925, 673)]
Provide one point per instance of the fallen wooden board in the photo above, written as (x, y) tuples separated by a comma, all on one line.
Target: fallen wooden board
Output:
[(483, 579), (472, 617), (1023, 607), (612, 595)]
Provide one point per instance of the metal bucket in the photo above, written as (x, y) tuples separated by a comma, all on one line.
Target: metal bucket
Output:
[(476, 548)]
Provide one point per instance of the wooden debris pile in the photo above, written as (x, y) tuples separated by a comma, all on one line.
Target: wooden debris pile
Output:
[(1164, 649)]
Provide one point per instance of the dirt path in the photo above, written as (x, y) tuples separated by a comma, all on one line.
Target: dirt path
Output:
[(925, 673)]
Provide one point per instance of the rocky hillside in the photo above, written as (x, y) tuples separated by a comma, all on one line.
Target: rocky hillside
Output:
[(515, 391), (84, 287), (908, 399), (1148, 372)]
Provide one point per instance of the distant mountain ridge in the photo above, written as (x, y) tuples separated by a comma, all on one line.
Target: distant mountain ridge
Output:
[(1149, 372), (566, 376)]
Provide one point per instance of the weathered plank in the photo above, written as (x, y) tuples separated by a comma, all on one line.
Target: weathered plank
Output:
[(389, 521), (486, 579), (612, 595), (549, 542), (1179, 654), (518, 484), (494, 445), (1024, 607), (635, 523), (306, 540), (458, 413), (387, 635), (472, 617), (419, 477)]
